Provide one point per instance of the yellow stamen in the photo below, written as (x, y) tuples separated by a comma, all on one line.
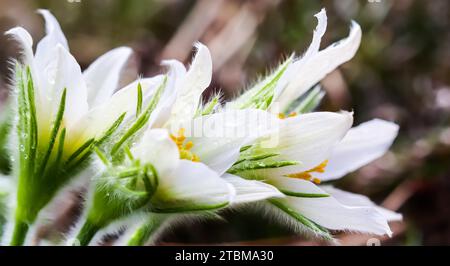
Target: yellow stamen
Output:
[(306, 175), (189, 145), (283, 116), (184, 148), (292, 114)]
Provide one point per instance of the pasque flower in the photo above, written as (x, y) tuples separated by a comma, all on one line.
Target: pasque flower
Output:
[(184, 165), (163, 155), (62, 113)]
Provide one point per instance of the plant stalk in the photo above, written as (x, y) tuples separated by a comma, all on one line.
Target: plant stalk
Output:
[(145, 232)]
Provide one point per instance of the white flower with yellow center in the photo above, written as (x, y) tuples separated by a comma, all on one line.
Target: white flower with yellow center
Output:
[(324, 149), (62, 113), (314, 147), (181, 155)]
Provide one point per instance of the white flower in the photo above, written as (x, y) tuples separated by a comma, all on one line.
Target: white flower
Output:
[(316, 141), (54, 70), (314, 65), (295, 76), (62, 113), (212, 140)]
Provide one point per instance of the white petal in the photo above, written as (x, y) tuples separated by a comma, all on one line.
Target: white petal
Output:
[(157, 148), (296, 187), (251, 190), (193, 84), (100, 118), (309, 70), (352, 199), (318, 33), (360, 146), (176, 74), (192, 186), (62, 72), (290, 76), (218, 137), (102, 76), (26, 43), (53, 29), (53, 37), (331, 214), (309, 140)]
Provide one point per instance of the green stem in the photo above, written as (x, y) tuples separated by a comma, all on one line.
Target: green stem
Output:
[(144, 233), (19, 234), (86, 234)]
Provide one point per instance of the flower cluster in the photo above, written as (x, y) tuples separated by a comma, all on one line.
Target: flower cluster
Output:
[(153, 153)]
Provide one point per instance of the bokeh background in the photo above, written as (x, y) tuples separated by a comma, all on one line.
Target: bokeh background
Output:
[(401, 73)]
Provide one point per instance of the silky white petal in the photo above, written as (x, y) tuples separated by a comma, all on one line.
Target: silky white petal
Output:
[(26, 42), (193, 84), (102, 76), (291, 73), (309, 70), (156, 147), (331, 214), (54, 36), (251, 190), (191, 186), (352, 199), (102, 117), (308, 139), (63, 72), (53, 30), (176, 74), (297, 187), (318, 33), (218, 137), (360, 146)]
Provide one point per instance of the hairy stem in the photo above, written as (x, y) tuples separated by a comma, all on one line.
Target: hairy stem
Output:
[(145, 232), (86, 234)]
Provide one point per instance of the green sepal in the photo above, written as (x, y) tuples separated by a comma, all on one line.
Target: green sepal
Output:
[(6, 119), (307, 223), (119, 191), (141, 120), (184, 207), (208, 108), (260, 96), (303, 195), (309, 102), (256, 165)]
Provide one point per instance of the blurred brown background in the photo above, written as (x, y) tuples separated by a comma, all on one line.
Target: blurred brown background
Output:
[(401, 73)]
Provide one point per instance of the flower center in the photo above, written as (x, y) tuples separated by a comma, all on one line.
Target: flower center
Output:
[(184, 147), (283, 116), (307, 175)]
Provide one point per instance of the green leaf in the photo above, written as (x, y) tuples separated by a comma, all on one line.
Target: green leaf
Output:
[(185, 207), (85, 147), (111, 130), (101, 156), (139, 100), (308, 103), (54, 133), (141, 120), (303, 195), (209, 107), (260, 96), (255, 165), (6, 119)]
